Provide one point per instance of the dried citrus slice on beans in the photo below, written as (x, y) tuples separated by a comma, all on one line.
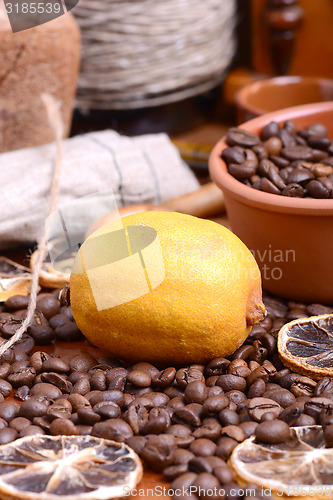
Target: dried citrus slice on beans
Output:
[(306, 345), (14, 279), (68, 467), (298, 467)]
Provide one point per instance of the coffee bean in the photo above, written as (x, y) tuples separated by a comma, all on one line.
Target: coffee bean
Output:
[(223, 474), (229, 382), (203, 447), (42, 334), (229, 417), (288, 140), (273, 146), (297, 153), (257, 388), (76, 376), (158, 451), (233, 155), (23, 346), (37, 359), (316, 405), (114, 429), (188, 415), (87, 416), (293, 190), (113, 395), (22, 393), (272, 129), (32, 408), (21, 375), (268, 187), (107, 409), (282, 396), (303, 386), (234, 432), (217, 366), (19, 423), (205, 484), (48, 305), (184, 481), (239, 368), (214, 404), (243, 138), (324, 385), (31, 430), (274, 431), (7, 435), (225, 447), (49, 390), (248, 428), (57, 379), (55, 365), (97, 382), (159, 421), (139, 378), (68, 332), (263, 372), (186, 375), (258, 406), (58, 321), (196, 392), (5, 388), (317, 190), (244, 171), (16, 302), (82, 362), (305, 420), (63, 426), (200, 464), (210, 429)]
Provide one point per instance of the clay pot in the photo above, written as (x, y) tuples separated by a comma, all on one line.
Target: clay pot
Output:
[(272, 94), (291, 239)]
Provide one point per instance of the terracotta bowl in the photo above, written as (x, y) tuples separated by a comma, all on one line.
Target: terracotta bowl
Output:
[(272, 94), (291, 239)]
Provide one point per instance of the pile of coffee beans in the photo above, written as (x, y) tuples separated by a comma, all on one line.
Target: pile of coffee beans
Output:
[(182, 421), (283, 160)]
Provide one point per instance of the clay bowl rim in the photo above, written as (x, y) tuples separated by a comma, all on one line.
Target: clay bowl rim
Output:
[(253, 197), (241, 97)]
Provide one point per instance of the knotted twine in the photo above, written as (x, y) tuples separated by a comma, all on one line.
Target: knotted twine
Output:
[(55, 121)]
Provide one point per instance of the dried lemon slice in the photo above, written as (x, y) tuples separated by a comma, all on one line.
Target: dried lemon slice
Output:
[(68, 467), (306, 345), (14, 279), (299, 467)]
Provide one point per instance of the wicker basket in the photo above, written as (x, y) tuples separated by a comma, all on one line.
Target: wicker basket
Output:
[(141, 53)]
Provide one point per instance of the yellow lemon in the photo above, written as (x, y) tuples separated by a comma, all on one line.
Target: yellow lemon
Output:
[(165, 287)]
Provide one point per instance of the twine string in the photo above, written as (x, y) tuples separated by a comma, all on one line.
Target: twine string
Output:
[(54, 118)]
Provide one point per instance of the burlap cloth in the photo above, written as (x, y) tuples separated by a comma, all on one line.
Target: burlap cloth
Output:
[(145, 169)]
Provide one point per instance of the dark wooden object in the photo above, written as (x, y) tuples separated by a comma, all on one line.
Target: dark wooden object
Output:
[(283, 19)]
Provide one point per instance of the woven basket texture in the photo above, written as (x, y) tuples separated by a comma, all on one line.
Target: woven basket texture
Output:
[(141, 53)]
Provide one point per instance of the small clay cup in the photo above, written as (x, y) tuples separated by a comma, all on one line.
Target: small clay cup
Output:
[(291, 238), (272, 94)]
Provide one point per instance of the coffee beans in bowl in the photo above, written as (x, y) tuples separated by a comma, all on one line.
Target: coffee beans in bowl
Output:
[(282, 160), (275, 173)]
